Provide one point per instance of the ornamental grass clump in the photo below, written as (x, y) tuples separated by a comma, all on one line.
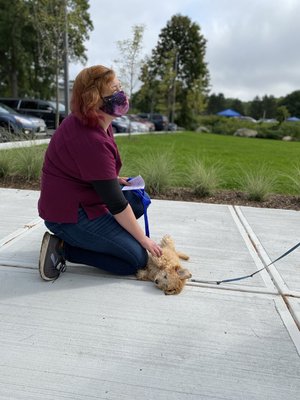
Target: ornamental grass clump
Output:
[(294, 178), (5, 163), (28, 162), (158, 171), (258, 185), (204, 178)]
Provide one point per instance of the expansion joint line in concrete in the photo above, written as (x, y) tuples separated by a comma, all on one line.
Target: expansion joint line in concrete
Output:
[(284, 308), (19, 233)]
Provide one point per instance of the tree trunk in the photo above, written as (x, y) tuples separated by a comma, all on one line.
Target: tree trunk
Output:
[(57, 93), (14, 83)]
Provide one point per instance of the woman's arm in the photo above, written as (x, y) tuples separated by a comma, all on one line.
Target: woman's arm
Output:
[(112, 195), (128, 221)]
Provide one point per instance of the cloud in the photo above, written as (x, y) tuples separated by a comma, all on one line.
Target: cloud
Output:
[(254, 52), (252, 45)]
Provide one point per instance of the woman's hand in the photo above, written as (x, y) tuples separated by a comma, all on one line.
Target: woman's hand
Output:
[(152, 247), (123, 181), (128, 221)]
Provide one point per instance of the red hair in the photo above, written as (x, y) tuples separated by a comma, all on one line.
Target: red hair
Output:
[(86, 96)]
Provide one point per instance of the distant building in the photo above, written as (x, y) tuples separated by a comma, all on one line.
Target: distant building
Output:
[(61, 91)]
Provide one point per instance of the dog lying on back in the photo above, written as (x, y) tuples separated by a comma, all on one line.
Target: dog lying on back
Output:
[(166, 271)]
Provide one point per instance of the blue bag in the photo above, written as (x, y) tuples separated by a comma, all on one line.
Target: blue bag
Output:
[(146, 201), (140, 208)]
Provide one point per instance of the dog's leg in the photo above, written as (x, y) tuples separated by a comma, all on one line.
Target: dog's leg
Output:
[(183, 256)]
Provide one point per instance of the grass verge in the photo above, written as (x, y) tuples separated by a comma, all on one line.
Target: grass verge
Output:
[(165, 160)]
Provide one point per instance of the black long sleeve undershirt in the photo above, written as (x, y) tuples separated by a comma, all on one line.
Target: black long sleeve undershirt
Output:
[(111, 194)]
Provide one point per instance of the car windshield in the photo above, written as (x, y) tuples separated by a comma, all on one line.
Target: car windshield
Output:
[(61, 107), (7, 110)]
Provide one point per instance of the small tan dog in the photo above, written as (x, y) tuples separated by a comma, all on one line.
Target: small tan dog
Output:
[(166, 271)]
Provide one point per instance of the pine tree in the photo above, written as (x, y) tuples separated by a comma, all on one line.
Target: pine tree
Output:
[(176, 69)]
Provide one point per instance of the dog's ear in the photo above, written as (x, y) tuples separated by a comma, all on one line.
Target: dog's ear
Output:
[(183, 273)]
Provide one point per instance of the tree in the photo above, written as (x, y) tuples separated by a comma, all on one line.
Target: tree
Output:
[(49, 17), (196, 101), (292, 103), (129, 64), (31, 45), (16, 39), (235, 104), (215, 103), (282, 114), (180, 47), (256, 109), (269, 106)]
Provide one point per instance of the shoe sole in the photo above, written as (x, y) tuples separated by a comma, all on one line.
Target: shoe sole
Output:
[(43, 253)]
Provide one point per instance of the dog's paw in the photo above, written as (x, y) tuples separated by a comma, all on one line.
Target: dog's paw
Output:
[(183, 256), (167, 241)]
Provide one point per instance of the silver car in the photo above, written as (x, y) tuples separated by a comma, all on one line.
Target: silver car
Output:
[(19, 123)]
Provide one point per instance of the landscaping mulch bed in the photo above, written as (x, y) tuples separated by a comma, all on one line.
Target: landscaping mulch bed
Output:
[(232, 197), (229, 197)]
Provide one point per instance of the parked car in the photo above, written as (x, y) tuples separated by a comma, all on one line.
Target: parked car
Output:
[(267, 120), (148, 126), (38, 108), (119, 125), (127, 124), (136, 125), (172, 126), (19, 123), (160, 121), (246, 118)]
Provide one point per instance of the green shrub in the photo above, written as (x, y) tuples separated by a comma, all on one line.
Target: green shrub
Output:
[(204, 178), (158, 171), (224, 125), (258, 185), (28, 162), (265, 130), (7, 135), (294, 177), (5, 163)]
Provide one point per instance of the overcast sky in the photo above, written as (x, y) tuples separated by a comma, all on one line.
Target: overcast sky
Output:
[(252, 45)]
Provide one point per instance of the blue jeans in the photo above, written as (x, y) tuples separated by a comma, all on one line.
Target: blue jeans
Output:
[(102, 242)]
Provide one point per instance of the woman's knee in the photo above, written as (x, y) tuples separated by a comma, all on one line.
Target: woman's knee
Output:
[(142, 258)]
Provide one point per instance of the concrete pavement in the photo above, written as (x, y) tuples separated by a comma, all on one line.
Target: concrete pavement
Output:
[(91, 335)]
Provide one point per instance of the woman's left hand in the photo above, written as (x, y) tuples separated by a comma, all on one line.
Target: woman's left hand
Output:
[(123, 181)]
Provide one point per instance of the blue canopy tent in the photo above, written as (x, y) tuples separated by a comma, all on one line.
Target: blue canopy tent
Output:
[(293, 119), (229, 113)]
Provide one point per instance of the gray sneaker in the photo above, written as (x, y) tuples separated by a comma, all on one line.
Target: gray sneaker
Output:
[(51, 262)]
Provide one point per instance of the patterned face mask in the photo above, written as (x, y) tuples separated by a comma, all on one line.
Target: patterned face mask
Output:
[(116, 105)]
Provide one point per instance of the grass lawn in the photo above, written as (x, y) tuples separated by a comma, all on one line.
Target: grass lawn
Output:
[(235, 154)]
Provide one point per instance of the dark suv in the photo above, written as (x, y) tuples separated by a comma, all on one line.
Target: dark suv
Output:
[(160, 121), (39, 108)]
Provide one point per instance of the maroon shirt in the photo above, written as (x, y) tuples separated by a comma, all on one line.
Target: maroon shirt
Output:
[(76, 156)]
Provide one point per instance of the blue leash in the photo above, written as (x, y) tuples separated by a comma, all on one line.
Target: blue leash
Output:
[(146, 202), (251, 275)]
